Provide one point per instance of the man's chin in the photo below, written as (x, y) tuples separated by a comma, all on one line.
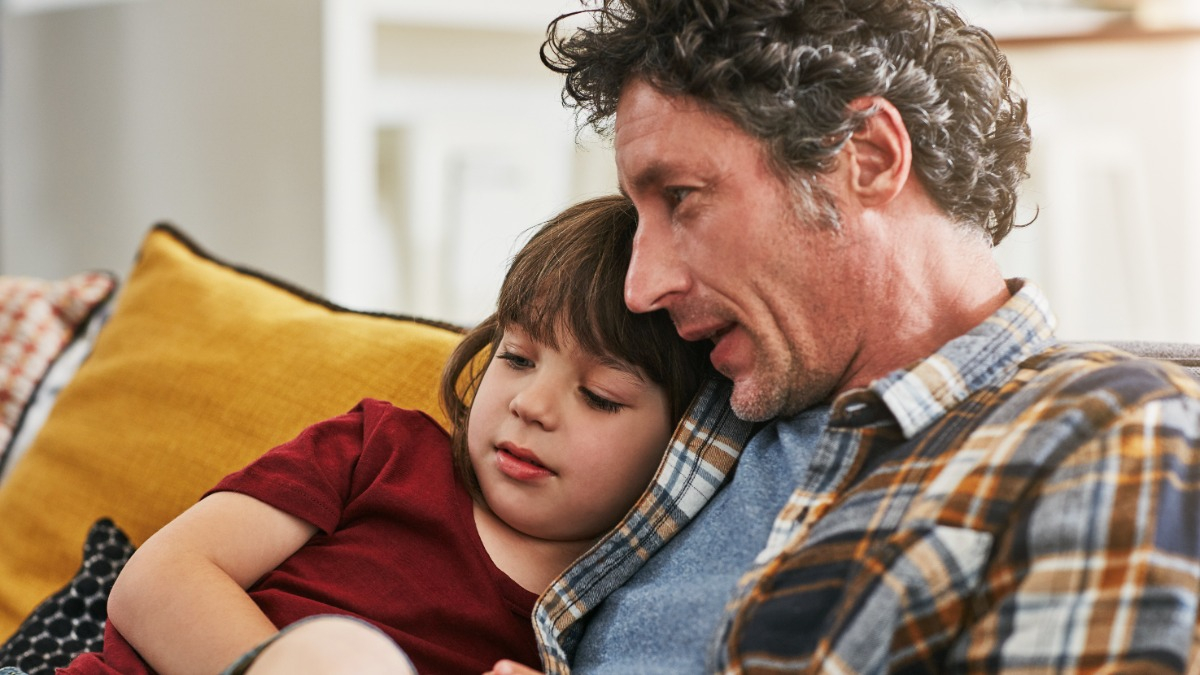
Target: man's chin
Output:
[(753, 405), (756, 400)]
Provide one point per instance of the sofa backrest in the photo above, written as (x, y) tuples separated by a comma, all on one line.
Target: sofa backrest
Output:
[(1182, 353)]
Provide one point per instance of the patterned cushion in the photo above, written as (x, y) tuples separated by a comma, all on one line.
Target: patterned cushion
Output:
[(46, 394), (38, 318), (201, 367), (71, 621)]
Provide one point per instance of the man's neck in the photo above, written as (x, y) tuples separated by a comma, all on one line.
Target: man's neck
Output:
[(941, 282)]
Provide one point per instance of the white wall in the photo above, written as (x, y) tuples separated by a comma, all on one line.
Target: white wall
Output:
[(1115, 174), (481, 151), (207, 113), (386, 153), (389, 152)]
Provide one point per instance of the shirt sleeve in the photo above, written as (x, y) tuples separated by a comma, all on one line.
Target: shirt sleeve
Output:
[(1102, 568), (309, 477)]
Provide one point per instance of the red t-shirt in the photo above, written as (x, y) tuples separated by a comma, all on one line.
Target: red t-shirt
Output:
[(397, 546)]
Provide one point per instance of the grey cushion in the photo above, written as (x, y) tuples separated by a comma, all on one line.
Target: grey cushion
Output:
[(1182, 353)]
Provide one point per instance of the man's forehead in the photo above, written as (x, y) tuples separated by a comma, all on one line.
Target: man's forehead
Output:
[(658, 135), (651, 127), (643, 103), (644, 110)]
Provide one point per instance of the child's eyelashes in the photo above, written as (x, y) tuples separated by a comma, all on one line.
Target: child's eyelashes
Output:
[(599, 402), (517, 362), (514, 361)]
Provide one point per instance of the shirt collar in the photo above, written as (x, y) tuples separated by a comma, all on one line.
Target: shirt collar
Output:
[(920, 394)]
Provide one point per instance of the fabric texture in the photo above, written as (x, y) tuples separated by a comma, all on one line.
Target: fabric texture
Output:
[(202, 367), (397, 546), (1182, 353), (1010, 503), (704, 450), (683, 589), (56, 377), (38, 319), (72, 620)]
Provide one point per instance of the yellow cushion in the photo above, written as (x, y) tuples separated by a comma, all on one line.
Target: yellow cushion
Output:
[(200, 369)]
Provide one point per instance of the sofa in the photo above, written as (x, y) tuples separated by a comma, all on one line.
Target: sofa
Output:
[(123, 402)]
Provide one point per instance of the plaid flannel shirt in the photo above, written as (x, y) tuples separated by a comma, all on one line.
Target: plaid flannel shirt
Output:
[(1010, 503)]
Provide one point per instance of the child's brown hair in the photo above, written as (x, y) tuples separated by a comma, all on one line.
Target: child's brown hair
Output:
[(569, 280)]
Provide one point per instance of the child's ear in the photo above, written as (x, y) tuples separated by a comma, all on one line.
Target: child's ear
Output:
[(879, 153)]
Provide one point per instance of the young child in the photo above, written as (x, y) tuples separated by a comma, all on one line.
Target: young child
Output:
[(561, 405)]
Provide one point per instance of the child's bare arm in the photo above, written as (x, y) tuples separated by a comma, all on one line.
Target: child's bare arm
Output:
[(181, 600)]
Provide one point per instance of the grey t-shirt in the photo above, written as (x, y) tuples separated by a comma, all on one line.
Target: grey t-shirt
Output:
[(665, 618)]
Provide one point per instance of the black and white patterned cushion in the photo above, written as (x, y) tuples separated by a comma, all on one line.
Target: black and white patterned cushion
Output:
[(71, 621)]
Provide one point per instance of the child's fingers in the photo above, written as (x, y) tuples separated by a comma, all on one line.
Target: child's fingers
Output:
[(510, 668)]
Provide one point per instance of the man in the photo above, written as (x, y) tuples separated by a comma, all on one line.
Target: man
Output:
[(939, 485)]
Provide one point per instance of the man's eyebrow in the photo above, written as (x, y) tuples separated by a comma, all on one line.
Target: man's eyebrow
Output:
[(653, 174)]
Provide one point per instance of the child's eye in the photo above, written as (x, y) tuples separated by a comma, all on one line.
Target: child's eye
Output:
[(514, 361), (599, 402)]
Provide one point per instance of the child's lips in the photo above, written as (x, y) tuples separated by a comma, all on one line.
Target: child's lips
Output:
[(519, 463)]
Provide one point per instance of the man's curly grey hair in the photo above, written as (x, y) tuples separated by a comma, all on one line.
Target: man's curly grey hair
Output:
[(785, 72)]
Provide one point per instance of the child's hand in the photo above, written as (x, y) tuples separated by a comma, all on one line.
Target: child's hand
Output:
[(510, 668)]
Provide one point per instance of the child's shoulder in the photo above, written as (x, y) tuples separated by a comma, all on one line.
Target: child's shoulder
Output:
[(377, 412)]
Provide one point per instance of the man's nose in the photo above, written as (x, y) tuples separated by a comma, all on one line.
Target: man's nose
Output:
[(656, 274)]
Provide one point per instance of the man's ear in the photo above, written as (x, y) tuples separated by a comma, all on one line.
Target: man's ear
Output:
[(879, 153)]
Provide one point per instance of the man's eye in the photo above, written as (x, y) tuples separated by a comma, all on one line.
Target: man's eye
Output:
[(599, 402), (514, 361), (675, 195)]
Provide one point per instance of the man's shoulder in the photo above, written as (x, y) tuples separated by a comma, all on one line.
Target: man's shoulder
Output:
[(1077, 371), (1068, 395)]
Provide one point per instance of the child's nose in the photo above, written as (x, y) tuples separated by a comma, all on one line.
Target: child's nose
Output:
[(536, 404)]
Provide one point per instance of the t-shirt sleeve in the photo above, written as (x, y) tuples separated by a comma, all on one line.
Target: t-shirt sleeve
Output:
[(311, 476)]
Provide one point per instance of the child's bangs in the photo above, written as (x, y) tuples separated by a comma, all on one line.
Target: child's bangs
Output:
[(566, 306), (567, 286)]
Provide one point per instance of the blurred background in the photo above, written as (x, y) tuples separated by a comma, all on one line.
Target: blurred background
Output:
[(392, 154)]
